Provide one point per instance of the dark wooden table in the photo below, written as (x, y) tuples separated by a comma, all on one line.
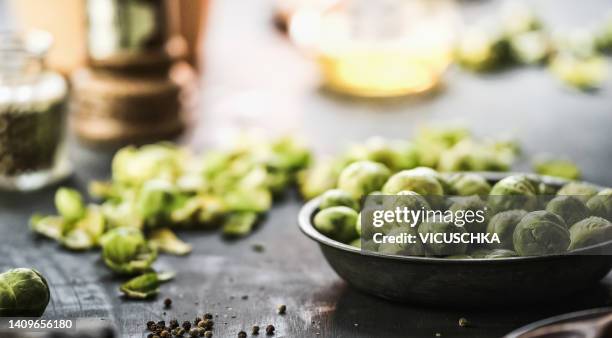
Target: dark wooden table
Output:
[(254, 78)]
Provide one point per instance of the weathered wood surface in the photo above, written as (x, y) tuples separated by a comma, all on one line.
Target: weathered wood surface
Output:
[(253, 77)]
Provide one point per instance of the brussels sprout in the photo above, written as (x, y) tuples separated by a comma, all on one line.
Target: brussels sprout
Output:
[(132, 166), (590, 231), (413, 180), (471, 206), (165, 240), (431, 172), (582, 191), (245, 199), (316, 180), (363, 177), (541, 233), (530, 47), (406, 249), (431, 142), (503, 224), (23, 293), (601, 204), (69, 204), (559, 168), (500, 253), (569, 208), (408, 155), (239, 224), (337, 197), (337, 223), (513, 192), (86, 232), (444, 248), (144, 286), (482, 49), (375, 149), (603, 38), (154, 199), (583, 73), (468, 184), (126, 251), (48, 226), (468, 155)]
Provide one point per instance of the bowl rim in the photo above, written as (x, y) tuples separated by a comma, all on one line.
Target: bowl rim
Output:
[(309, 208)]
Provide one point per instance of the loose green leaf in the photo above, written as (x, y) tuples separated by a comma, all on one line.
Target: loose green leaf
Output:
[(166, 241), (239, 224)]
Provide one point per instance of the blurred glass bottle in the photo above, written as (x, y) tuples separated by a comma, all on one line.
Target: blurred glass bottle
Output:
[(32, 114), (379, 48)]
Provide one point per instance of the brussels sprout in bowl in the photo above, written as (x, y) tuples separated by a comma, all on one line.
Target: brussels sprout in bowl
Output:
[(461, 280)]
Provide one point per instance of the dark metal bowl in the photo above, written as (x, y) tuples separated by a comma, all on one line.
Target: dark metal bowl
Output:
[(463, 282)]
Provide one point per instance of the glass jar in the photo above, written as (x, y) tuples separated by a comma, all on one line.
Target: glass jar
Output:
[(32, 114), (379, 48)]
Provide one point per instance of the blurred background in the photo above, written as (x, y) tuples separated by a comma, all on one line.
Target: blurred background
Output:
[(333, 72)]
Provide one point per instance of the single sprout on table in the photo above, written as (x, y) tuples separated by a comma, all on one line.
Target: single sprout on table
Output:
[(145, 286), (541, 233), (69, 204), (590, 231), (570, 208), (482, 49), (582, 73), (601, 204), (503, 224), (126, 251), (164, 240), (363, 177), (530, 48), (23, 293), (415, 180), (337, 223)]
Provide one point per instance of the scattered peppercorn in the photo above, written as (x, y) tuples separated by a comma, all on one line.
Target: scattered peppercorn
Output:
[(150, 325), (242, 334), (208, 316), (463, 322), (255, 330), (208, 334), (270, 329), (282, 309), (165, 334), (167, 302), (150, 335), (186, 325), (194, 332), (174, 324)]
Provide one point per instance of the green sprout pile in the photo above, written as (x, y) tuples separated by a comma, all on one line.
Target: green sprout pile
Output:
[(445, 149), (519, 37), (529, 216), (160, 187)]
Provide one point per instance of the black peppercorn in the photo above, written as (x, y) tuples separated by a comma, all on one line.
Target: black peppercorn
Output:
[(174, 324), (186, 325), (282, 309), (165, 334), (208, 334), (150, 325), (194, 332), (255, 330), (208, 316), (242, 334), (270, 329), (167, 302), (196, 321)]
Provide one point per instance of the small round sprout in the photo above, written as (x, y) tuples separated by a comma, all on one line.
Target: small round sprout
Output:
[(410, 201), (401, 247), (503, 225), (375, 149), (337, 197), (541, 233), (513, 192), (468, 184), (337, 223), (601, 204), (582, 191), (570, 208), (416, 180), (590, 231), (471, 207), (126, 251), (443, 248), (69, 204), (363, 177), (23, 293)]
